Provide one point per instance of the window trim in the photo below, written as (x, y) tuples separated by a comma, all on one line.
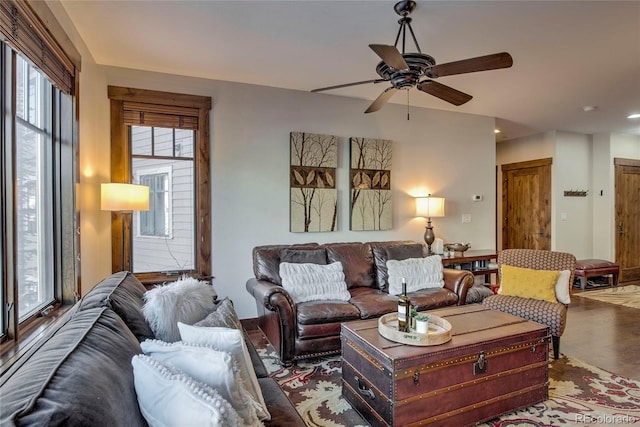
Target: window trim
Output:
[(193, 112)]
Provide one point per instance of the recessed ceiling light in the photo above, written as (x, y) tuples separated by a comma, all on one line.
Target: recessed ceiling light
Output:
[(496, 131), (589, 108), (634, 116)]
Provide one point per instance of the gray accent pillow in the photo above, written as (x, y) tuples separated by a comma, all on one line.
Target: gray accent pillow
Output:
[(224, 316), (123, 293)]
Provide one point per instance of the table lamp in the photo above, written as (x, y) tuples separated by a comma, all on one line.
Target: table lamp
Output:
[(429, 207)]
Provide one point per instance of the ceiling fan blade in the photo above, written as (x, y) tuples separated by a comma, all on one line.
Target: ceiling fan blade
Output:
[(471, 65), (390, 55), (444, 92), (348, 84), (381, 100)]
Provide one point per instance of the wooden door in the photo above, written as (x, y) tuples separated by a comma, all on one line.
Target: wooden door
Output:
[(627, 173), (526, 205)]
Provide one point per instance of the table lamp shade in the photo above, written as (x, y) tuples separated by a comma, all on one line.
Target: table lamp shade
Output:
[(430, 207), (124, 197)]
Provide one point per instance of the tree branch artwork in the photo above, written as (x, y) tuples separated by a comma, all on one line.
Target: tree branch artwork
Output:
[(370, 181), (314, 197)]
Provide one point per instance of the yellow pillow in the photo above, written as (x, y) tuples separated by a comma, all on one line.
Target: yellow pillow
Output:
[(528, 283)]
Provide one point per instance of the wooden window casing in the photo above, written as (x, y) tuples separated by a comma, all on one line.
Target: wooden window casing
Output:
[(170, 110)]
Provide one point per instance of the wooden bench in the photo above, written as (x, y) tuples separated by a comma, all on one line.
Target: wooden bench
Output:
[(586, 268)]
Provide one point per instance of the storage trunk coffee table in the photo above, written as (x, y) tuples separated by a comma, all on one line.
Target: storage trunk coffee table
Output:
[(493, 364)]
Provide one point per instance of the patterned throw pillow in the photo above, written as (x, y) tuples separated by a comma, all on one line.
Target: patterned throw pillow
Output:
[(528, 283)]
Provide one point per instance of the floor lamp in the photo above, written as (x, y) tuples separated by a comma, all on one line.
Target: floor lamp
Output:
[(429, 207), (123, 199)]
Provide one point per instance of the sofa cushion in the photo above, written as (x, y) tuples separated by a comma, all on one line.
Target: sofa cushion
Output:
[(315, 312), (122, 292), (266, 260), (405, 249), (373, 302), (427, 299), (357, 261), (301, 256), (94, 344)]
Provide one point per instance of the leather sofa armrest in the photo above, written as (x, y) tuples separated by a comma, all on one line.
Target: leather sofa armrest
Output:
[(273, 297), (458, 281), (280, 326)]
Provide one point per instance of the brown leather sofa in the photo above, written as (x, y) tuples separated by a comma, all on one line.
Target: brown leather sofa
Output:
[(299, 331)]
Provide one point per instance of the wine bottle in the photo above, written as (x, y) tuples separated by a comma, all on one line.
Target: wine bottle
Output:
[(404, 306)]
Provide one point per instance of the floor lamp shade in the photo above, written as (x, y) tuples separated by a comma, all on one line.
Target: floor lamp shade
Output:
[(124, 197)]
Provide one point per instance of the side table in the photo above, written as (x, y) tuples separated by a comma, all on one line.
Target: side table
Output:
[(476, 261)]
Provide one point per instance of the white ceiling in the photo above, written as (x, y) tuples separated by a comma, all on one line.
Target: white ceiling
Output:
[(567, 54)]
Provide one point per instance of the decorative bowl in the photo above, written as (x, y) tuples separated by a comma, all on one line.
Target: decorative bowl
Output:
[(457, 247)]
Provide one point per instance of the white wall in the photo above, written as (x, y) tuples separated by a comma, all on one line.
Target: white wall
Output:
[(603, 198), (447, 154), (572, 217)]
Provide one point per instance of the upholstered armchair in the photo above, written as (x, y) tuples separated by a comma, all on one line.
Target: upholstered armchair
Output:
[(552, 314)]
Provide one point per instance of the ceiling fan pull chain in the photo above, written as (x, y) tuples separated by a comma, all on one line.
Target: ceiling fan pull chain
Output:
[(407, 104)]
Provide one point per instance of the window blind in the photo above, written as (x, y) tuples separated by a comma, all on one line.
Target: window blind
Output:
[(24, 32)]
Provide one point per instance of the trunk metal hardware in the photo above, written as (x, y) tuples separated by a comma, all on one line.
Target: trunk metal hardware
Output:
[(363, 389), (480, 365), (416, 378)]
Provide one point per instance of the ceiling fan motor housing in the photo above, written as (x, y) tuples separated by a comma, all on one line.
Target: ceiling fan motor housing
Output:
[(402, 79)]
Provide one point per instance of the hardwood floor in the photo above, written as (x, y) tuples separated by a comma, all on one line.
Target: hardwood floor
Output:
[(604, 335)]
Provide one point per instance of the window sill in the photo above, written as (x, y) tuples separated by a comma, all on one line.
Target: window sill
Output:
[(11, 351)]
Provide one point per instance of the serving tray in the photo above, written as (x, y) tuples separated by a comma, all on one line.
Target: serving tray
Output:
[(439, 331)]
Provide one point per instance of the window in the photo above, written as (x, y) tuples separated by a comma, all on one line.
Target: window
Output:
[(37, 186), (161, 140), (156, 222), (33, 186)]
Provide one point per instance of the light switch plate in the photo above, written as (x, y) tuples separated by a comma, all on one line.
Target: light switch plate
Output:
[(466, 218)]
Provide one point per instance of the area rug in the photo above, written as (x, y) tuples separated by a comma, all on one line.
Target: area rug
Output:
[(628, 295), (579, 394)]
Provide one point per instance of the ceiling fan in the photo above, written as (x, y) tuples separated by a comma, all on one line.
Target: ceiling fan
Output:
[(408, 69)]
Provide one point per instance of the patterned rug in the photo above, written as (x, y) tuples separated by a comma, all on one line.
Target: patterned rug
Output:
[(629, 295), (579, 394)]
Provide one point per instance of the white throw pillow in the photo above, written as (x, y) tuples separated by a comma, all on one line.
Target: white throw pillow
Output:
[(208, 366), (314, 282), (420, 273), (187, 300), (232, 342), (563, 294), (168, 397)]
